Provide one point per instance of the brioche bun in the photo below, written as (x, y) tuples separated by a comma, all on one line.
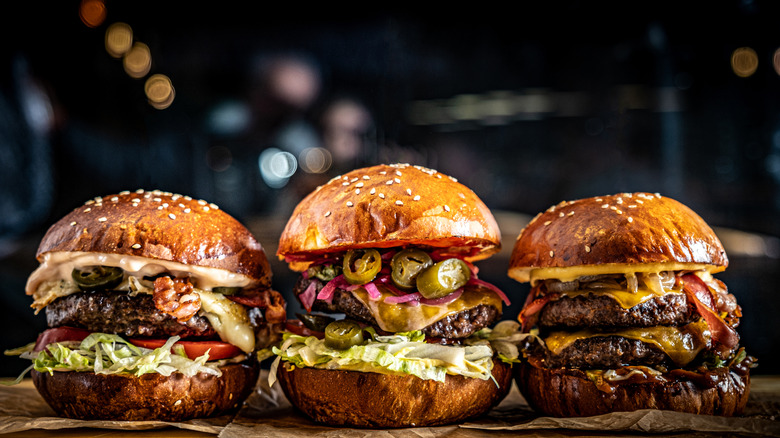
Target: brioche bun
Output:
[(609, 233), (567, 392), (90, 396), (162, 226), (390, 206), (372, 400)]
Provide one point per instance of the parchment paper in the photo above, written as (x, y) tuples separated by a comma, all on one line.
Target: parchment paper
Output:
[(267, 413)]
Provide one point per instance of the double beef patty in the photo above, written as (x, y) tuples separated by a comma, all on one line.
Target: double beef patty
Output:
[(600, 312), (120, 313), (455, 326)]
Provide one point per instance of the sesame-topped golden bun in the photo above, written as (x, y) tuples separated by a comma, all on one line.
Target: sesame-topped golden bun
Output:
[(390, 206), (607, 234), (162, 226)]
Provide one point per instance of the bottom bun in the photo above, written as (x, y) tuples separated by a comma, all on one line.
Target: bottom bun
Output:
[(563, 392), (372, 400), (90, 396)]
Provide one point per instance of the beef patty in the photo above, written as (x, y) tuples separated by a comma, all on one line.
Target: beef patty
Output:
[(606, 352), (118, 312), (454, 326), (601, 311)]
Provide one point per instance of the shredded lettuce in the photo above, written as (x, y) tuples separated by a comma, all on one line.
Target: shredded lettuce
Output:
[(103, 353), (404, 353)]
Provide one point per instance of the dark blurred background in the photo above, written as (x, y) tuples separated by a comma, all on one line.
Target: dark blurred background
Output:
[(251, 107)]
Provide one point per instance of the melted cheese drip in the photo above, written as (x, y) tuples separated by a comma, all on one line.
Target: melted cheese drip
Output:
[(404, 317), (680, 344), (228, 318)]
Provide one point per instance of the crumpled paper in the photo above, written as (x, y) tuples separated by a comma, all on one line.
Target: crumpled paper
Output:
[(267, 413)]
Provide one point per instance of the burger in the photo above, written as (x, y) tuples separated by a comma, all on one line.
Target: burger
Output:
[(399, 328), (156, 304), (626, 310)]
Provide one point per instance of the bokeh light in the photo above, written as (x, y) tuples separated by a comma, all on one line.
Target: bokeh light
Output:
[(119, 39), (315, 160), (92, 12), (276, 167), (138, 61), (159, 91), (776, 61), (744, 62)]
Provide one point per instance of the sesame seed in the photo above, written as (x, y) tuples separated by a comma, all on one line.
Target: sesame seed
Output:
[(613, 208), (618, 212), (447, 208), (632, 206), (102, 219), (187, 210), (454, 179), (389, 182), (357, 191), (160, 207), (416, 198), (345, 183), (188, 198), (360, 184), (599, 200), (73, 223), (327, 213), (605, 206), (114, 199), (171, 215), (630, 219), (547, 223), (561, 214), (552, 254), (571, 213), (201, 202), (462, 196), (135, 200), (619, 200), (87, 210), (366, 177), (181, 205), (139, 191), (383, 173), (206, 208), (353, 180), (639, 202), (397, 180), (350, 204), (136, 246), (409, 192), (165, 205), (214, 206), (438, 175), (399, 202), (398, 172), (587, 248), (373, 191), (382, 195), (157, 200)]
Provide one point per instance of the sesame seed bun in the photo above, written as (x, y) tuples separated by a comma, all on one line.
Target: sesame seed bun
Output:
[(610, 232), (162, 226), (390, 206)]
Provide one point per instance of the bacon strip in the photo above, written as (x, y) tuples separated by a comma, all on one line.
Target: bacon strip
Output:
[(270, 300), (530, 313), (698, 292)]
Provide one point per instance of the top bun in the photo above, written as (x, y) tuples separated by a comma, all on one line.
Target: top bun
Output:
[(390, 206), (610, 232), (162, 226)]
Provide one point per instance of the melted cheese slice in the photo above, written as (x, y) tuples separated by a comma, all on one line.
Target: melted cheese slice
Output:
[(574, 272), (625, 298), (228, 318), (405, 317), (681, 344)]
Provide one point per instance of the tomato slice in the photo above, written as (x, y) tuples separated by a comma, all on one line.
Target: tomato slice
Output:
[(297, 327), (59, 334), (194, 349)]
